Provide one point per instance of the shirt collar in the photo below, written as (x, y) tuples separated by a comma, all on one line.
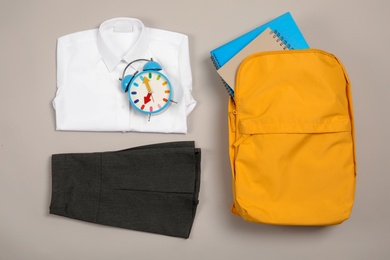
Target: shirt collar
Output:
[(109, 53)]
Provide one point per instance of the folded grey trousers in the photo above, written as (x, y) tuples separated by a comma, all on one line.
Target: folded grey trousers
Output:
[(151, 188)]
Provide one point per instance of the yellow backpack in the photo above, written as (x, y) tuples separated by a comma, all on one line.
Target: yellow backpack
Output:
[(291, 139)]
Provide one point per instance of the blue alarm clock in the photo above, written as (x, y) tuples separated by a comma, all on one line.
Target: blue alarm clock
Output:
[(149, 91)]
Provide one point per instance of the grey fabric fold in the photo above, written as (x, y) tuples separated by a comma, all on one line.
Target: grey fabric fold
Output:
[(152, 188)]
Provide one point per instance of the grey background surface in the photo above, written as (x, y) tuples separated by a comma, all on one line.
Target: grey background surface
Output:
[(355, 31)]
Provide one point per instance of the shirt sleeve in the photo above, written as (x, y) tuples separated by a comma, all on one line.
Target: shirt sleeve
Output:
[(61, 67), (186, 75)]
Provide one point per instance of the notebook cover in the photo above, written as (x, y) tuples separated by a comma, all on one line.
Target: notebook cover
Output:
[(266, 41), (284, 25)]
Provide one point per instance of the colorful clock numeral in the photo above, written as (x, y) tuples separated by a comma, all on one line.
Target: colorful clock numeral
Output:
[(136, 84), (165, 100), (134, 93), (136, 101), (158, 77)]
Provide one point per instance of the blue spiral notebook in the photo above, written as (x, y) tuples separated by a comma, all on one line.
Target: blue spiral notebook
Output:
[(283, 26)]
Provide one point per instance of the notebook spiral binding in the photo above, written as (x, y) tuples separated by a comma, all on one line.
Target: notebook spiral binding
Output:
[(217, 66), (279, 38)]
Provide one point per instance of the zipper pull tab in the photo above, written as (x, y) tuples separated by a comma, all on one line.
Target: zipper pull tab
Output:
[(232, 120)]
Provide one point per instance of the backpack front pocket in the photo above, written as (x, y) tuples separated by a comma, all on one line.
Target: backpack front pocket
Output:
[(300, 174)]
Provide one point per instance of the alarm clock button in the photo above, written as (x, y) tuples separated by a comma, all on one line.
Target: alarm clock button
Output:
[(152, 66), (125, 83)]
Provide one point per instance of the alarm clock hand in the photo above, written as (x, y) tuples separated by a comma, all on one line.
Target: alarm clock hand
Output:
[(147, 98), (146, 82)]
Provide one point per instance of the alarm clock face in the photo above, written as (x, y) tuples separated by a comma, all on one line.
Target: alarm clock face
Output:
[(150, 92)]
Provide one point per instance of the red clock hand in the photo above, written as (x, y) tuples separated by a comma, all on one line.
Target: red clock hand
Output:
[(147, 98)]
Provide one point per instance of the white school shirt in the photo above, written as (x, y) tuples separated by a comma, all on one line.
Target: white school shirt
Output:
[(90, 63)]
